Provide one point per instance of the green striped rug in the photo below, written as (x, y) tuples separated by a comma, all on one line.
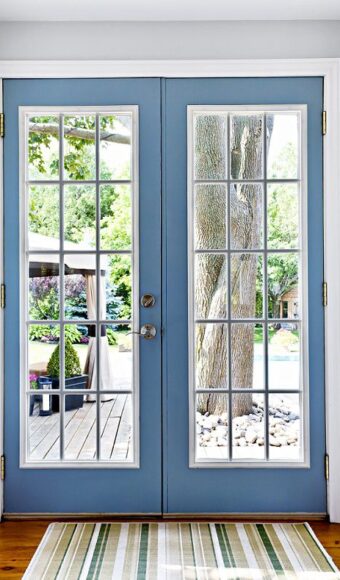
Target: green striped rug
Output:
[(182, 551)]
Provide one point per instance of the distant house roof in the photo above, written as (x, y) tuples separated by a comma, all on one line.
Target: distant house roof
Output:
[(292, 294)]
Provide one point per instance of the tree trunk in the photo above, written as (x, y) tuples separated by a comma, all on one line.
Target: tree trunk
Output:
[(211, 270)]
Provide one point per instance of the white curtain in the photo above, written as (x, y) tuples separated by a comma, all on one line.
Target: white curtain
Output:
[(90, 364)]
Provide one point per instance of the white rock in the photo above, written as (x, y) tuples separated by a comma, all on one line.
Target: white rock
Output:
[(274, 442), (224, 418), (220, 431), (251, 436)]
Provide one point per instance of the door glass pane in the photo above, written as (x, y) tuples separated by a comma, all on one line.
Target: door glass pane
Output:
[(283, 285), (80, 147), (283, 145), (248, 426), (43, 427), (116, 286), (44, 287), (80, 286), (81, 375), (246, 285), (43, 147), (210, 144), (210, 207), (212, 356), (43, 217), (247, 356), (245, 279), (115, 146), (116, 357), (283, 216), (211, 286), (284, 364), (285, 440), (246, 146), (212, 431), (42, 341), (116, 419), (80, 428), (80, 216), (115, 217), (246, 216)]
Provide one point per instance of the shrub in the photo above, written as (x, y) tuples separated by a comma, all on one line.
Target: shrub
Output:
[(111, 337), (38, 331), (71, 333), (72, 362)]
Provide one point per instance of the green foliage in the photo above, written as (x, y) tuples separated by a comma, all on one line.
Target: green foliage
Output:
[(39, 331), (42, 149), (282, 276), (80, 206), (43, 211), (72, 362), (111, 337), (282, 212), (71, 333), (45, 307)]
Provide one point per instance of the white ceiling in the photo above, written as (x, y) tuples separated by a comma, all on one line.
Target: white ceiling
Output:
[(166, 10)]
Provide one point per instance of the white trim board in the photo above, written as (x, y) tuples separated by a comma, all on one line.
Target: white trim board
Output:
[(329, 70), (165, 68)]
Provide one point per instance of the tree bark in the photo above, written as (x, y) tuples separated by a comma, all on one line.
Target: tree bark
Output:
[(80, 133), (246, 205)]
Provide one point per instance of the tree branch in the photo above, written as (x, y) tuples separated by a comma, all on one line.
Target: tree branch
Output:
[(79, 133)]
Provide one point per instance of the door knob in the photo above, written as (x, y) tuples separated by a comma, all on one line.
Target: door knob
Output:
[(147, 331)]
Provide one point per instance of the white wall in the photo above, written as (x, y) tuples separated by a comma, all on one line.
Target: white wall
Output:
[(169, 40)]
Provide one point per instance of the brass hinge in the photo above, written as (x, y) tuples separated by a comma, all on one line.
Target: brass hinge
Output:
[(2, 125), (324, 122), (324, 294), (3, 296), (3, 468), (327, 467)]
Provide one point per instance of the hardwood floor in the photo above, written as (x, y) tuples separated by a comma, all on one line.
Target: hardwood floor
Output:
[(19, 540)]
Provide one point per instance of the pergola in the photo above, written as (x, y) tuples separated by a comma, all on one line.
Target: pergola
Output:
[(46, 264)]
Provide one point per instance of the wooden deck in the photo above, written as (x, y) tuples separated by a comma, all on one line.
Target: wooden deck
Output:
[(80, 432)]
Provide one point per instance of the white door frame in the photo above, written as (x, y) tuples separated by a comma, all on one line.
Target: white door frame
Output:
[(326, 68)]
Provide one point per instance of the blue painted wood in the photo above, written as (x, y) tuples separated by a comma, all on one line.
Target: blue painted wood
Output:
[(80, 490), (235, 490), (184, 489)]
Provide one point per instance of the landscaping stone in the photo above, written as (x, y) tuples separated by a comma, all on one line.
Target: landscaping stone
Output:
[(284, 426)]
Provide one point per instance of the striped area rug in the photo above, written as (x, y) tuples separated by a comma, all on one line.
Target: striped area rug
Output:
[(182, 551)]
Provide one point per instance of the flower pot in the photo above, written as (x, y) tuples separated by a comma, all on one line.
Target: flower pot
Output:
[(74, 402)]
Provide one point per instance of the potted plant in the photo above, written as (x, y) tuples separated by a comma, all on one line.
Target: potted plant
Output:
[(33, 386), (74, 379)]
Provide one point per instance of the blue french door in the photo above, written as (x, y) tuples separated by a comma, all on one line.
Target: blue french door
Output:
[(82, 242), (218, 407), (244, 342)]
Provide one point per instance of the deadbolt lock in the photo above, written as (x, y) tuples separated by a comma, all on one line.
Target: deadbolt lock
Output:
[(148, 300)]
